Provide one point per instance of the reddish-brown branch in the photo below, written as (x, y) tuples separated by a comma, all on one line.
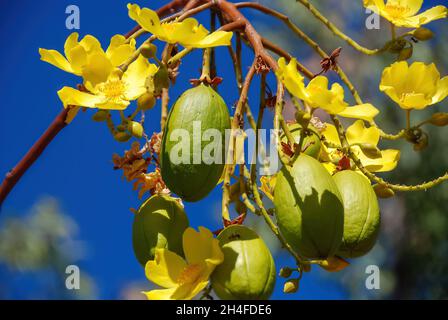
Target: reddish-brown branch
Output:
[(58, 123), (232, 14), (31, 156)]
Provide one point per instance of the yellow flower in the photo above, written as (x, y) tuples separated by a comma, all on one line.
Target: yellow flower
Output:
[(317, 95), (358, 134), (86, 57), (187, 33), (116, 92), (268, 186), (414, 87), (403, 13), (182, 279)]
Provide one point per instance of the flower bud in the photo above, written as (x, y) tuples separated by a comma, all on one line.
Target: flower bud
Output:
[(405, 54), (423, 34), (122, 136), (397, 45), (101, 116), (439, 119), (383, 191), (422, 142), (148, 50), (146, 102), (291, 286), (136, 129), (285, 272)]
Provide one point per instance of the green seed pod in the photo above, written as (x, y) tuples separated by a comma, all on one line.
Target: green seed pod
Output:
[(136, 129), (146, 102), (309, 208), (122, 136), (361, 214), (423, 34), (159, 223), (312, 140), (101, 116), (248, 270), (186, 166)]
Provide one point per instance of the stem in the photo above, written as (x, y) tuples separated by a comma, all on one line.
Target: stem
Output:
[(408, 119), (396, 187), (337, 31), (32, 155), (393, 31), (206, 64), (229, 168)]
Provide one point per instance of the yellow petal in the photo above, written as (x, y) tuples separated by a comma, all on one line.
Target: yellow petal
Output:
[(135, 77), (291, 78), (78, 58), (268, 186), (189, 291), (200, 247), (331, 167), (146, 18), (442, 90), (363, 111), (56, 59), (163, 294), (70, 43), (218, 38), (73, 97), (165, 269), (358, 133), (415, 101), (97, 69), (91, 44), (113, 105), (388, 161), (435, 13), (119, 51), (413, 6), (331, 134)]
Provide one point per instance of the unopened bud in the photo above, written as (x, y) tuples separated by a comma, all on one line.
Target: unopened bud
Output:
[(397, 45), (146, 102), (122, 136), (285, 272), (101, 116), (291, 286), (405, 53), (423, 34), (148, 50), (383, 192), (439, 119), (136, 129)]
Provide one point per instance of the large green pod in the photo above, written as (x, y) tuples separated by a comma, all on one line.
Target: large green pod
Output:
[(312, 141), (309, 209), (248, 271), (193, 146), (361, 214), (159, 223)]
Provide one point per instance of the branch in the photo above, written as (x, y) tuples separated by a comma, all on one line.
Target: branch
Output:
[(59, 123), (231, 12), (31, 156)]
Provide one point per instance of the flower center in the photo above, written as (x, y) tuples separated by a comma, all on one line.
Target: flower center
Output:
[(112, 89), (396, 11), (190, 274)]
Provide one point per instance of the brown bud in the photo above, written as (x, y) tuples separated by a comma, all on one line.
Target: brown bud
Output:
[(101, 116), (405, 53), (285, 272), (439, 119), (122, 136), (146, 102), (383, 192), (148, 50), (423, 34)]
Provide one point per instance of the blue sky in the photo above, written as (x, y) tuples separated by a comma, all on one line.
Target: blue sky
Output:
[(76, 168)]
